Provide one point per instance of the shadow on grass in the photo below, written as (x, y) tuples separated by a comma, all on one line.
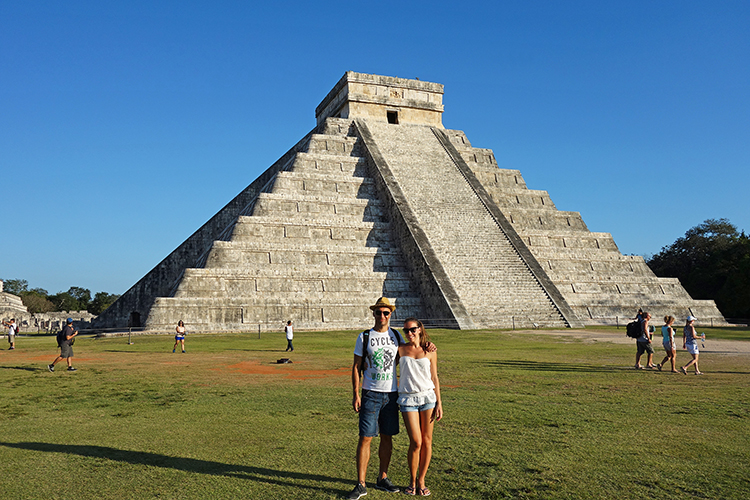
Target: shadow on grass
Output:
[(24, 368), (258, 474), (557, 367)]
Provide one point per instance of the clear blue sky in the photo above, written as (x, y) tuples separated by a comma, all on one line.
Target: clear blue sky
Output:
[(124, 126)]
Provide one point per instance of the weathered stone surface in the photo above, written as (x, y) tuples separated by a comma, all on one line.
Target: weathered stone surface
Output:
[(379, 199)]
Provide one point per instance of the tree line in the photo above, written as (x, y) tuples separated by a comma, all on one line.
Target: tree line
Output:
[(712, 261), (38, 300)]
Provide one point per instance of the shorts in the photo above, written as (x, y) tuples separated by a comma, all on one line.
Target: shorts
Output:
[(424, 407), (692, 348), (66, 351), (644, 347), (378, 414), (179, 337), (668, 346)]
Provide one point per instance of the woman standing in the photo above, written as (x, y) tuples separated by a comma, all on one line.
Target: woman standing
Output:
[(419, 401), (690, 342), (179, 339), (667, 334)]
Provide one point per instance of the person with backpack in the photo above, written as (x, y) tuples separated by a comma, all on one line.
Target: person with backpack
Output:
[(12, 331), (643, 344), (374, 369), (65, 340)]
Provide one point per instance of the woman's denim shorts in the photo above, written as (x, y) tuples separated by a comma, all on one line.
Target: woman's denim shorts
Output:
[(424, 407)]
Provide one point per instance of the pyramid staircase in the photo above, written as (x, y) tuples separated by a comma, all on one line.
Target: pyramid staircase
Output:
[(313, 246)]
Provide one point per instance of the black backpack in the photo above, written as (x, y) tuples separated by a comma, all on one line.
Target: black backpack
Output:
[(633, 330), (60, 337)]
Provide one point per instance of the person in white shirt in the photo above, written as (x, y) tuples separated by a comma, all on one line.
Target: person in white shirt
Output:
[(374, 368), (419, 401), (289, 336), (12, 331)]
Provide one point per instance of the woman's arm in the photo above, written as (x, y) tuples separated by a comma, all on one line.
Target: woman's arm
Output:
[(438, 413)]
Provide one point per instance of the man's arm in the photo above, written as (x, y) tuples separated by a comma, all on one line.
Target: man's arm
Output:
[(356, 401), (644, 329)]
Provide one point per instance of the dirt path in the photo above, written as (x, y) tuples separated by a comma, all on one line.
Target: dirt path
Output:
[(712, 346)]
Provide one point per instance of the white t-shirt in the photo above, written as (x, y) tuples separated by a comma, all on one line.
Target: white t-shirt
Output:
[(289, 332), (12, 329), (380, 364)]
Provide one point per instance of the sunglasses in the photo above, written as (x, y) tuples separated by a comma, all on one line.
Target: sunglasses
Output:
[(383, 313), (412, 329)]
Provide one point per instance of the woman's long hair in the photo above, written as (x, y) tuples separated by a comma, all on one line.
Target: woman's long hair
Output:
[(424, 338)]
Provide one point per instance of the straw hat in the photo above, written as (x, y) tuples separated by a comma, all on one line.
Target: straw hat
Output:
[(383, 302)]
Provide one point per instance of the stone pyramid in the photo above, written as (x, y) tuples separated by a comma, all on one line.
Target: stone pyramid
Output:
[(380, 199)]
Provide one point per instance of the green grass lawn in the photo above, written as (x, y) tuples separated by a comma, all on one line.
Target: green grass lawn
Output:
[(526, 416), (716, 332)]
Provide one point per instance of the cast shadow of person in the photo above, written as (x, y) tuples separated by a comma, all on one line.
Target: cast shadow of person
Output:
[(257, 474)]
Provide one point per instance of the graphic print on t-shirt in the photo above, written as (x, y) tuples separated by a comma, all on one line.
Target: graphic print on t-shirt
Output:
[(380, 360)]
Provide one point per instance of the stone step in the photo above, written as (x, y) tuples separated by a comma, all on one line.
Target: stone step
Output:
[(233, 258), (344, 166), (319, 231), (333, 144), (273, 203)]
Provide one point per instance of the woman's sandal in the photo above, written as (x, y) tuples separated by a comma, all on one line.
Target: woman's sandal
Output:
[(423, 492), (410, 490)]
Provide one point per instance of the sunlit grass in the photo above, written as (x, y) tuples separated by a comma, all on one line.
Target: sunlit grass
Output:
[(527, 416)]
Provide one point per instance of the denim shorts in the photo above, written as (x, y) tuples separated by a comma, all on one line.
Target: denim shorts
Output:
[(424, 407), (378, 414)]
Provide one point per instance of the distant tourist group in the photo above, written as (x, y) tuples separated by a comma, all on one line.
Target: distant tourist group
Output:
[(689, 341)]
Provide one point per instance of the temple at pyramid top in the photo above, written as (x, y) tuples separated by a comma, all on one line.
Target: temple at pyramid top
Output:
[(379, 199), (383, 98)]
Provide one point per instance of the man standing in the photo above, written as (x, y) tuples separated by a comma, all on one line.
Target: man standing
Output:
[(377, 408), (65, 339), (644, 344), (12, 331), (289, 336)]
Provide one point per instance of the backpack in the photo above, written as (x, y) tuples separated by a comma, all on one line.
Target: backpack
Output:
[(633, 330), (60, 338)]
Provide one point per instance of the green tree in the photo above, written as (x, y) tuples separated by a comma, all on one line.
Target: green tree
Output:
[(15, 286), (63, 301), (102, 300), (37, 302), (82, 296), (712, 261)]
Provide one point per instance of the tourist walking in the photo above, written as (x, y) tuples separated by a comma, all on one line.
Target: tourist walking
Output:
[(289, 336), (419, 401), (65, 340), (690, 342), (643, 344), (12, 331), (667, 334), (179, 338)]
